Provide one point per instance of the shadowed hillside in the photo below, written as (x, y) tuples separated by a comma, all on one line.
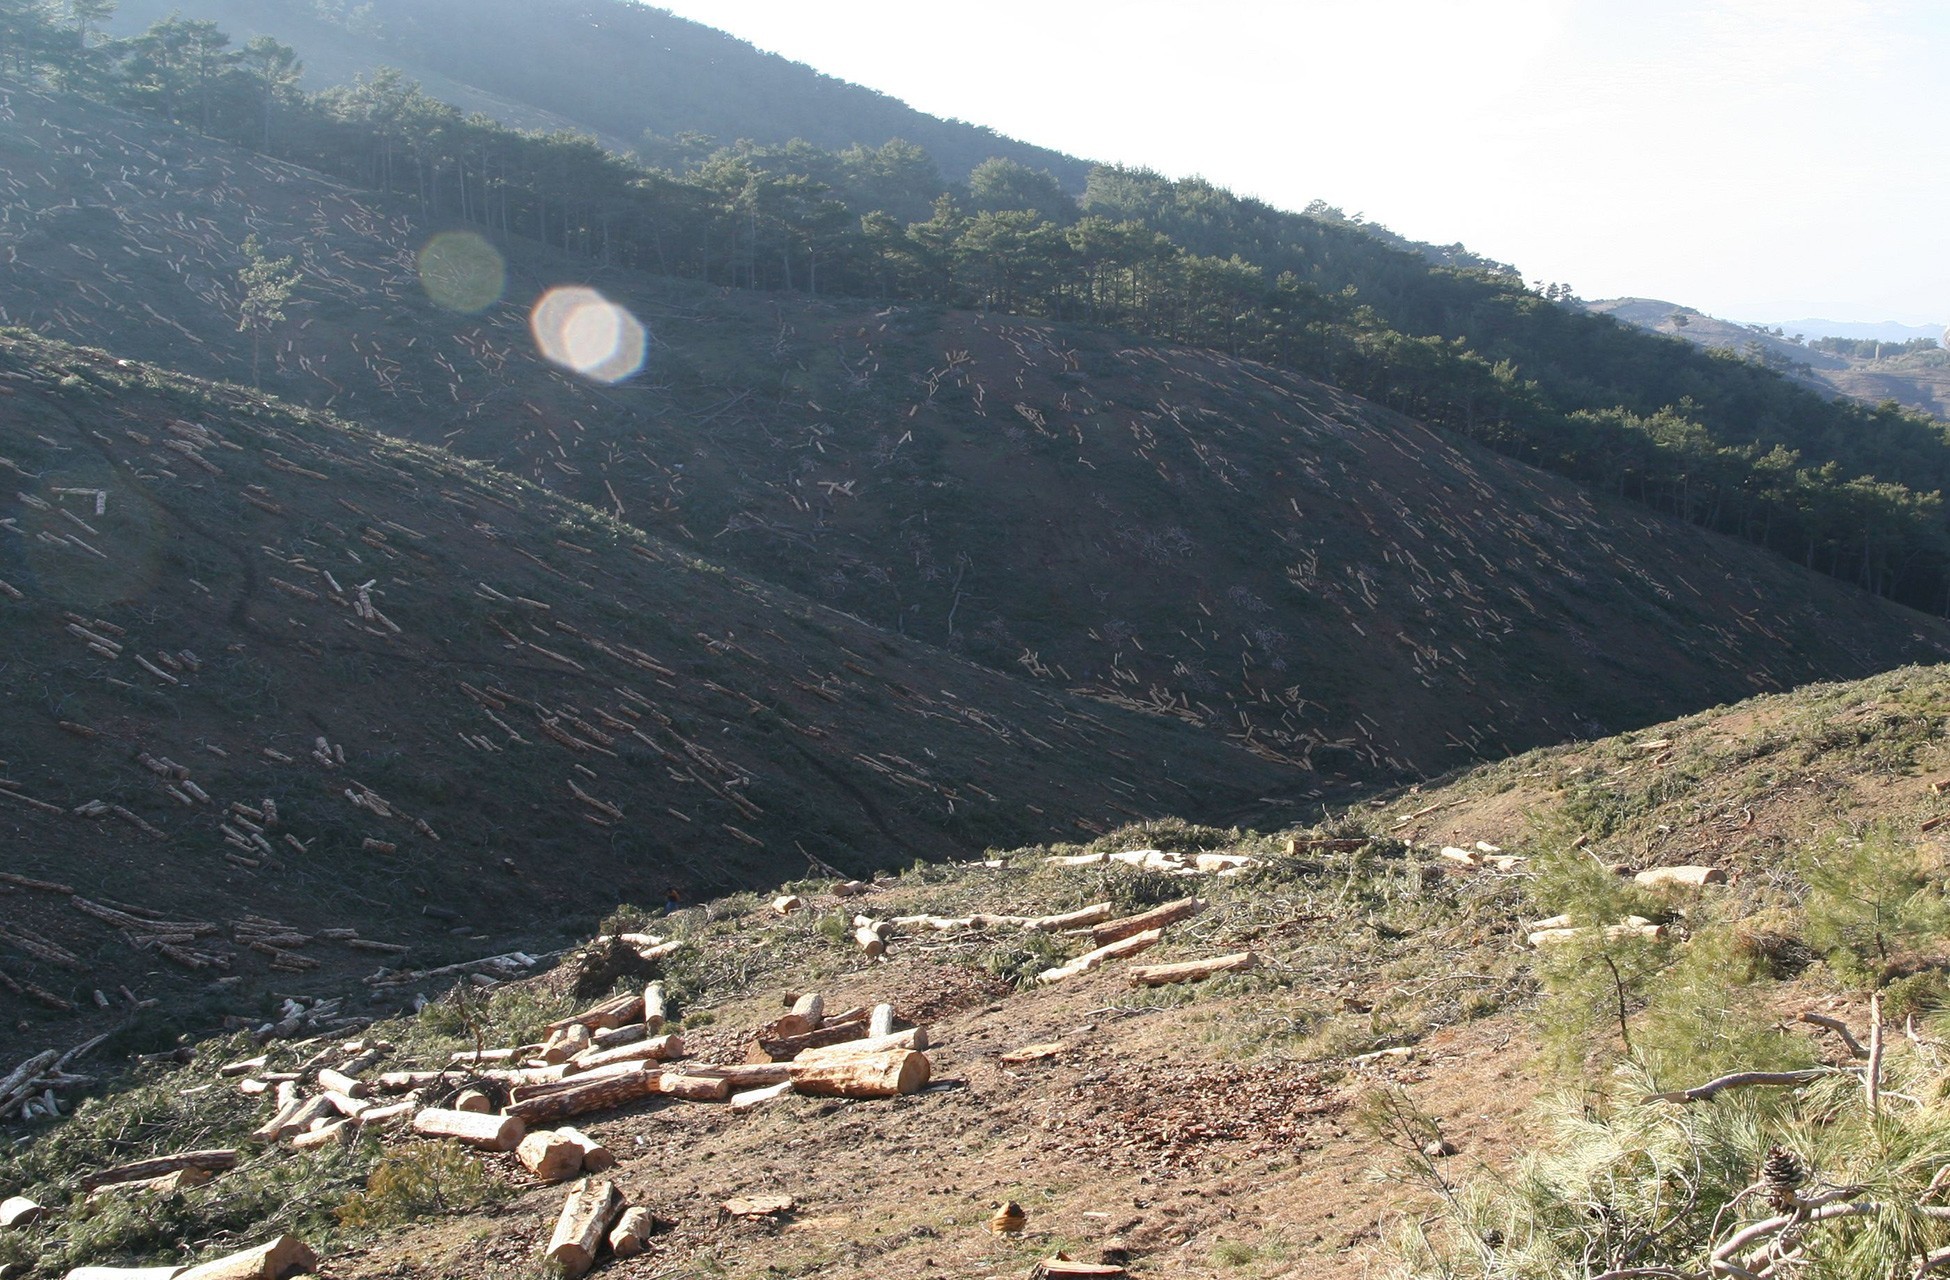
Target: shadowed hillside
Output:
[(1244, 549), (261, 661)]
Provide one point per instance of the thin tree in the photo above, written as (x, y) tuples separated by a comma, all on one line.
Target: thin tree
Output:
[(266, 288)]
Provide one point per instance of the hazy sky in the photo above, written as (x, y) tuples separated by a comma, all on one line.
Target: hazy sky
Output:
[(1762, 160)]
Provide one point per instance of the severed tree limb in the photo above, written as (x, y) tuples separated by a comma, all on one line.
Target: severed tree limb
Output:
[(1738, 1080), (1872, 1079), (1840, 1028)]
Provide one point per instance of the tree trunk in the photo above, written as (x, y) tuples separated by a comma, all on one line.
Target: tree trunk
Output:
[(888, 1074), (490, 1133), (634, 1228), (1111, 951), (1159, 975), (583, 1226), (1156, 918), (912, 1038), (656, 1048), (549, 1156), (215, 1161), (597, 1095)]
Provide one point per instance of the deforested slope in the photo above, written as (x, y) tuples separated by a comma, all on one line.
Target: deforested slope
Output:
[(1244, 549), (262, 662)]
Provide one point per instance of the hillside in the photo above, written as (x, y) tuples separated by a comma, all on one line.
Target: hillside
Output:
[(1330, 584), (1395, 1006), (263, 662), (615, 69)]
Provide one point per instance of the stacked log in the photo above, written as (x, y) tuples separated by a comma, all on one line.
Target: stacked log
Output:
[(583, 1227), (1091, 960)]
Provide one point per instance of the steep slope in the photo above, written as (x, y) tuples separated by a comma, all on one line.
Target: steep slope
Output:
[(613, 68), (259, 661), (1243, 549), (1271, 1122)]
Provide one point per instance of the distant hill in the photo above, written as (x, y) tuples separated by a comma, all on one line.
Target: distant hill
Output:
[(1886, 331), (1914, 379), (613, 68)]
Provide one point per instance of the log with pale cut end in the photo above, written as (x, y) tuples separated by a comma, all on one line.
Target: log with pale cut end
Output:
[(595, 1156), (1077, 859), (651, 1049), (881, 1022), (1161, 975), (475, 1101), (632, 1232), (1680, 877), (1082, 917), (490, 1133), (694, 1088), (339, 1082), (273, 1260), (385, 1117), (870, 942), (216, 1161), (912, 1038), (123, 1273), (401, 1081), (349, 1107), (1032, 1053), (808, 1011), (289, 1104), (1090, 960), (786, 904), (583, 1226), (654, 1009), (887, 1074), (613, 1012), (614, 1036), (579, 1099), (760, 1206), (760, 1096), (337, 1133), (566, 1043), (19, 1211), (661, 950), (1213, 863), (244, 1066), (1156, 918), (848, 889), (549, 1156)]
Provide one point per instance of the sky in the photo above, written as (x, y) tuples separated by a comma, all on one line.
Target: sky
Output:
[(1761, 160)]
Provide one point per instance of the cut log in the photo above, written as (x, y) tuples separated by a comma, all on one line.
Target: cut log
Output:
[(654, 1049), (888, 1074), (339, 1082), (653, 1008), (1160, 975), (284, 1256), (19, 1211), (387, 1116), (578, 1099), (912, 1038), (1061, 1268), (401, 1081), (632, 1232), (881, 1022), (1686, 877), (615, 1036), (216, 1161), (123, 1273), (758, 1097), (490, 1133), (808, 1011), (583, 1226), (767, 1206), (244, 1066), (549, 1156), (475, 1101), (787, 1048), (788, 903), (1217, 863), (595, 1156), (870, 942), (328, 1135), (1081, 918), (1077, 860), (1156, 918), (349, 1107), (694, 1088), (1110, 951), (522, 1090), (613, 1012), (1032, 1053), (181, 1180), (744, 1075), (307, 1114), (566, 1043)]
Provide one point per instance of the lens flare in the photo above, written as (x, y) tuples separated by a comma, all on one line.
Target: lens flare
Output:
[(580, 329), (462, 272)]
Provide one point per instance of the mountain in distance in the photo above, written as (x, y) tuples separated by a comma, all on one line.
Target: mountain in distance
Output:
[(615, 69), (1916, 379), (1884, 331)]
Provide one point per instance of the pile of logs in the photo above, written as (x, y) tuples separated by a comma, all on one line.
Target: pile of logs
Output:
[(596, 1215), (1562, 928), (28, 1091), (273, 1260)]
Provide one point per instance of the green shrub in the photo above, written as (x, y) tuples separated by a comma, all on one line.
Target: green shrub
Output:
[(428, 1179), (1869, 900)]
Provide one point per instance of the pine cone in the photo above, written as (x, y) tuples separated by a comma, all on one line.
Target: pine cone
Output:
[(1781, 1172)]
